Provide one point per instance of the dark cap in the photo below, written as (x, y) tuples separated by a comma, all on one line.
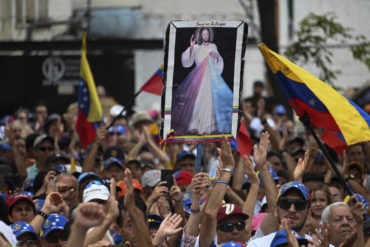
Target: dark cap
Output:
[(42, 138), (183, 155), (229, 209), (114, 152)]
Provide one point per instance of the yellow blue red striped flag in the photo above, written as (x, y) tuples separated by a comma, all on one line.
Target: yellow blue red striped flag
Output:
[(344, 123)]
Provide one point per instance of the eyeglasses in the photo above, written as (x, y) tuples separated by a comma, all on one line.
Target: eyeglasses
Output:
[(298, 204), (229, 227), (65, 189), (50, 148)]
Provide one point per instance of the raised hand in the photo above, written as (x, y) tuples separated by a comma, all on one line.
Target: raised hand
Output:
[(226, 154), (260, 151), (169, 227), (252, 175), (101, 134), (53, 203), (112, 203), (261, 109), (290, 237), (192, 41), (89, 214), (175, 191), (159, 190), (301, 166)]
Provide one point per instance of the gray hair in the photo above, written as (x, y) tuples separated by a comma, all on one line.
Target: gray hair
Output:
[(326, 212)]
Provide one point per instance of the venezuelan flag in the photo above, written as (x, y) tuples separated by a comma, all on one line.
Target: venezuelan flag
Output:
[(90, 113), (343, 122), (154, 85)]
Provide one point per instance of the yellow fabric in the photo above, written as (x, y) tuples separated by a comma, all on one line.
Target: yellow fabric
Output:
[(95, 110)]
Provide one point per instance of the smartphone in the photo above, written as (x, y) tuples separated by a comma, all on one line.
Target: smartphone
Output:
[(166, 175)]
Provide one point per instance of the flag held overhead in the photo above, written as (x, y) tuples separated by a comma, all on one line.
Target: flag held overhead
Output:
[(90, 114), (326, 108)]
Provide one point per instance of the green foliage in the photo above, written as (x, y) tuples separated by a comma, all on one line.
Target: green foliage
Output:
[(314, 34)]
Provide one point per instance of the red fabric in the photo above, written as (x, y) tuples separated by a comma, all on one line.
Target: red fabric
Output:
[(244, 141), (154, 85), (84, 129), (334, 141)]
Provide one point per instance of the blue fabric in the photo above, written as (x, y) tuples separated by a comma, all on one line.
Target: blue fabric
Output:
[(222, 100)]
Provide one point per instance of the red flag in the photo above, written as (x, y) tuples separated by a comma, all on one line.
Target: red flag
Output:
[(243, 140), (154, 85)]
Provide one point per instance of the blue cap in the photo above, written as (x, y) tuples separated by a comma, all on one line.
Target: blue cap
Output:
[(88, 175), (28, 184), (52, 223), (117, 238), (272, 173), (154, 220), (187, 200), (184, 154), (232, 244), (294, 185), (39, 203), (21, 227), (280, 238), (5, 146), (280, 110), (119, 129), (111, 161), (60, 168)]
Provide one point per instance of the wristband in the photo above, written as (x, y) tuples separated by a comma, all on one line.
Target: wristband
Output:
[(197, 210), (227, 170), (222, 181), (43, 215)]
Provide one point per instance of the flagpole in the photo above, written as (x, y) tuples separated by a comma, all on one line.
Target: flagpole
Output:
[(305, 119), (123, 109)]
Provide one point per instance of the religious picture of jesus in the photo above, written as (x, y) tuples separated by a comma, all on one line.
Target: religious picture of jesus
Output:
[(202, 76), (203, 102)]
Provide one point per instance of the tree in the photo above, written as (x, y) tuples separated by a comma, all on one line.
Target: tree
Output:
[(312, 45)]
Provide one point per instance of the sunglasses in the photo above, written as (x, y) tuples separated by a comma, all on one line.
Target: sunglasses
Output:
[(298, 204), (28, 242), (50, 148), (229, 227)]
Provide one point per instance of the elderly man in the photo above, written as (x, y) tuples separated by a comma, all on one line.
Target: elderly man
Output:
[(343, 223), (66, 185)]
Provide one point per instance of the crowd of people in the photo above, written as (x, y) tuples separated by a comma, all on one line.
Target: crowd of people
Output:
[(123, 190)]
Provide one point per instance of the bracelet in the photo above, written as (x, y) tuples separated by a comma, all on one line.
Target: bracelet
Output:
[(221, 181), (197, 210), (43, 215), (227, 170)]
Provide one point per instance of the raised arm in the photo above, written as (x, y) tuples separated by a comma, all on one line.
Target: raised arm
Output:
[(270, 223), (250, 201), (89, 162), (215, 197), (88, 215), (138, 223)]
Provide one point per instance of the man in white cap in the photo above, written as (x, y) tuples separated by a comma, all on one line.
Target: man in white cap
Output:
[(95, 191)]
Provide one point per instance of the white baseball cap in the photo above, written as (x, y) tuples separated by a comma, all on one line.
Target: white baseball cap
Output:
[(95, 190)]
